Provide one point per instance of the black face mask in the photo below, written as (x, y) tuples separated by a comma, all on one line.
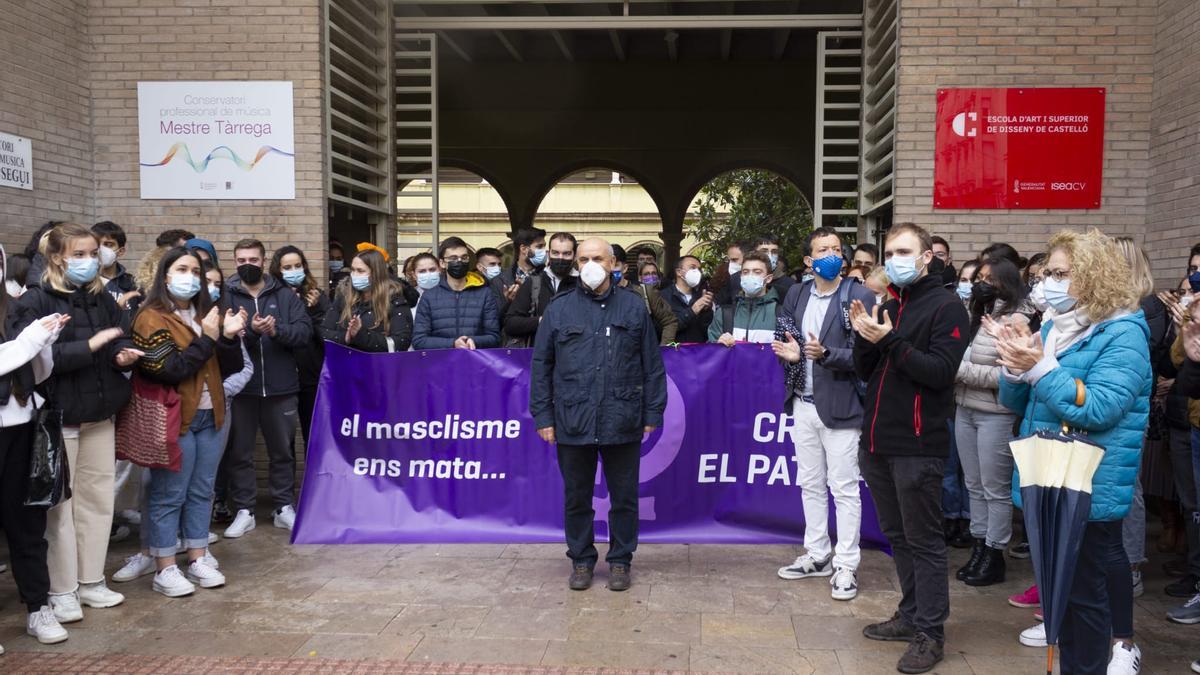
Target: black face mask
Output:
[(561, 266), (458, 269), (950, 276), (983, 292), (251, 274)]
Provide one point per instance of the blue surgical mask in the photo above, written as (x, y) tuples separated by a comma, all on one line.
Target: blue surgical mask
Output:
[(183, 286), (492, 271), (537, 257), (293, 277), (752, 284), (427, 280), (336, 266), (1194, 280), (81, 271), (829, 267), (616, 276), (214, 292), (1056, 294), (902, 271), (964, 290), (360, 282)]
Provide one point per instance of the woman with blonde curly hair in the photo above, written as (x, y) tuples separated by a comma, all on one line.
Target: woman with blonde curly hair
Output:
[(1088, 369)]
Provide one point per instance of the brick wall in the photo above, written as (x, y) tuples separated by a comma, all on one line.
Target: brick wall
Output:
[(1008, 43), (44, 96), (1175, 139), (137, 40)]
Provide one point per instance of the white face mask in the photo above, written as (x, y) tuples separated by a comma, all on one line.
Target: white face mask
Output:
[(593, 274), (107, 256), (692, 278), (734, 268), (14, 289)]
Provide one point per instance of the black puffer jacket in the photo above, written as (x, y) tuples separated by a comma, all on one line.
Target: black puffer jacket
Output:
[(87, 387), (370, 338)]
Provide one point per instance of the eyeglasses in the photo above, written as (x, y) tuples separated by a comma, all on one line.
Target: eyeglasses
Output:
[(1057, 275), (456, 258)]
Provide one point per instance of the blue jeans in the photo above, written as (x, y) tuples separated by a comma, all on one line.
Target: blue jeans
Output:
[(181, 501), (955, 504)]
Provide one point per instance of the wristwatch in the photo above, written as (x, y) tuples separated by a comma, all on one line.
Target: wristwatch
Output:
[(825, 354)]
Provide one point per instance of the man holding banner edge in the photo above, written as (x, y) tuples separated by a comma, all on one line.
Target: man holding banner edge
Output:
[(597, 386)]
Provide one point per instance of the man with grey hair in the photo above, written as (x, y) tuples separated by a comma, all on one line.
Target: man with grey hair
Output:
[(596, 387)]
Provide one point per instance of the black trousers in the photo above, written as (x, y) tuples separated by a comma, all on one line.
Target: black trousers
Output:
[(1085, 642), (275, 416), (621, 465), (25, 526), (1119, 578), (907, 492)]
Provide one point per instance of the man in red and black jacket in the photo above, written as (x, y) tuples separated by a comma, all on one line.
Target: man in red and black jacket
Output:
[(908, 350)]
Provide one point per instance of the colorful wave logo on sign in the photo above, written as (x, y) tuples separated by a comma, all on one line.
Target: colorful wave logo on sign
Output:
[(219, 152)]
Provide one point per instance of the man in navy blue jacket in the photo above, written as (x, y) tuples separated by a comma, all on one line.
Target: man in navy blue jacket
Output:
[(461, 311), (597, 386)]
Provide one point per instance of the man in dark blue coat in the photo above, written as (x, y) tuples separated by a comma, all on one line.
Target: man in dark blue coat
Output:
[(461, 311), (597, 386)]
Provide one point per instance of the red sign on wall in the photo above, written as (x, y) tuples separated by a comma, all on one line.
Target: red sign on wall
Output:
[(1027, 148)]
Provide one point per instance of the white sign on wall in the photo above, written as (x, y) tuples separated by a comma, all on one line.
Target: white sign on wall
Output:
[(16, 162), (216, 140)]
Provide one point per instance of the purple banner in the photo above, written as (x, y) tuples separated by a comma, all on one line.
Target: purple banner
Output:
[(438, 446)]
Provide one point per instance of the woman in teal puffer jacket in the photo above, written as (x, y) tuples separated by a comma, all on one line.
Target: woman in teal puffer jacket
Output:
[(1091, 371)]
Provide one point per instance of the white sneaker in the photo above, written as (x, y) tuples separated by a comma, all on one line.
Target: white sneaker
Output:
[(213, 538), (1034, 636), (66, 607), (285, 518), (204, 576), (43, 626), (131, 516), (242, 523), (170, 582), (210, 560), (137, 565), (845, 583), (807, 566), (99, 596), (1126, 659)]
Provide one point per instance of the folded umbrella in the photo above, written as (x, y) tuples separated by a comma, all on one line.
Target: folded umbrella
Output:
[(1056, 472)]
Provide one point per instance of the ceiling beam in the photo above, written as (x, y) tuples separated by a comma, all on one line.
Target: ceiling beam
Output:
[(508, 44), (559, 38), (679, 22)]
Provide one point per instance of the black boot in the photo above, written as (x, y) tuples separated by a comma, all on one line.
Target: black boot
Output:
[(990, 570), (972, 562), (963, 539)]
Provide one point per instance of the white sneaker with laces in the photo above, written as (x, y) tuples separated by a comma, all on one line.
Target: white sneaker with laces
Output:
[(845, 583), (1034, 636), (66, 607), (1126, 659), (137, 565), (170, 582), (99, 596), (204, 576), (807, 566), (210, 560), (242, 523), (285, 518), (43, 626)]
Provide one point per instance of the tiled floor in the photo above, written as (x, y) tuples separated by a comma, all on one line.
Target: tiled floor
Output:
[(699, 608)]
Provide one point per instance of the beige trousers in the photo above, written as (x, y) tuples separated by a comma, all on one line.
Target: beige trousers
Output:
[(78, 529)]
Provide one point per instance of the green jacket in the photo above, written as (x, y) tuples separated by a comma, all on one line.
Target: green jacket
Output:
[(753, 319)]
